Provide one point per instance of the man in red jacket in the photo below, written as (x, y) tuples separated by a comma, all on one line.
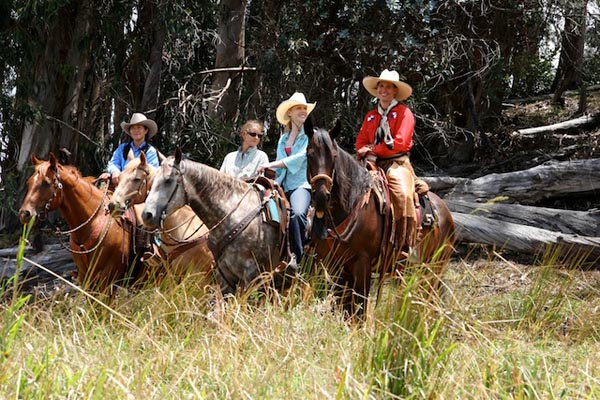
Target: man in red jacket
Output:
[(386, 137)]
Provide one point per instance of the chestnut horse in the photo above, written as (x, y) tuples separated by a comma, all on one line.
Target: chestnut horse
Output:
[(184, 237), (349, 226), (100, 248), (243, 240)]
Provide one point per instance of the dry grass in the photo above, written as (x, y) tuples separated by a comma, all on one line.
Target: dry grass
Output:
[(499, 330)]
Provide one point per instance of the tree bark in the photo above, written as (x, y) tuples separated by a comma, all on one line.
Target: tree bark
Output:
[(527, 186), (525, 239), (583, 223), (226, 86), (569, 73)]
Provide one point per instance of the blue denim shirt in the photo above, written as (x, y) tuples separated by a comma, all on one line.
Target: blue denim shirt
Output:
[(118, 163), (293, 175)]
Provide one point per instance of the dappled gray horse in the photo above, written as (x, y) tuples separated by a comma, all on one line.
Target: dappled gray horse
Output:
[(243, 241)]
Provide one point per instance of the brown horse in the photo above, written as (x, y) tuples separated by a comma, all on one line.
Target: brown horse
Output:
[(100, 248), (184, 237), (350, 225)]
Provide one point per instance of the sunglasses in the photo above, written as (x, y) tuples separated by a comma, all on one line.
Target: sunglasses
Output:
[(254, 134)]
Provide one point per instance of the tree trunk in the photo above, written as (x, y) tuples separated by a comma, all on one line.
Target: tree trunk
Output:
[(552, 179), (525, 239), (230, 53), (62, 76), (583, 223), (569, 73)]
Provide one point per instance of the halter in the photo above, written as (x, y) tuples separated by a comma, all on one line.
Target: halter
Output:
[(57, 186), (180, 180), (328, 180), (144, 182)]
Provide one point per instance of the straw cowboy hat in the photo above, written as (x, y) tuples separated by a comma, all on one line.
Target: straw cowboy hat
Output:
[(296, 99), (140, 119), (404, 89)]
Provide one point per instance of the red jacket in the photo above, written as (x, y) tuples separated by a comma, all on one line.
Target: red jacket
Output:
[(402, 126)]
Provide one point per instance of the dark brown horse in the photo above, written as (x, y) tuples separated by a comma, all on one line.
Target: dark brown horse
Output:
[(350, 225), (100, 248)]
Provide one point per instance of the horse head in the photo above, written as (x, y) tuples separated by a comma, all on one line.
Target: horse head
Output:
[(44, 191), (321, 154), (167, 193), (133, 187)]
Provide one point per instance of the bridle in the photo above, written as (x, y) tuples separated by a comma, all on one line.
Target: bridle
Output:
[(57, 186)]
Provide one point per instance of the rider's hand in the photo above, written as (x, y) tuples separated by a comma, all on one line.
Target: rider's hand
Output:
[(104, 176), (365, 150)]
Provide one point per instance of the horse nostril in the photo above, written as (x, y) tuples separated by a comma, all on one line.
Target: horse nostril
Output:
[(111, 206), (25, 216), (146, 216)]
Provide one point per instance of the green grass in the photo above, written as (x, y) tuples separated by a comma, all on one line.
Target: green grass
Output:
[(497, 330)]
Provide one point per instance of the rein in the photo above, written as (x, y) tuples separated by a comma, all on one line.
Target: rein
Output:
[(236, 229)]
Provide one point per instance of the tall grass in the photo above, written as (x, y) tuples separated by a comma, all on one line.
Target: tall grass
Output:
[(494, 330)]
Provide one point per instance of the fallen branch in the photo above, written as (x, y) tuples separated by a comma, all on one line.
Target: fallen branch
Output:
[(580, 122)]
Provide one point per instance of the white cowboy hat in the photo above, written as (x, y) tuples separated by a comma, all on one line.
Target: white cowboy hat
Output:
[(296, 99), (404, 89), (140, 119)]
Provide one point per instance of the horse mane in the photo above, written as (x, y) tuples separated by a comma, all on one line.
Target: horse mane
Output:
[(224, 182), (351, 178), (44, 166), (135, 164)]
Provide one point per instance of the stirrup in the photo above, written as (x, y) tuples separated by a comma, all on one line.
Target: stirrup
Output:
[(412, 256), (288, 268)]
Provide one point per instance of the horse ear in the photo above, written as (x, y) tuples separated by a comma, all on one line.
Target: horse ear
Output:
[(309, 127), (35, 161), (336, 130), (178, 156), (53, 161), (142, 158)]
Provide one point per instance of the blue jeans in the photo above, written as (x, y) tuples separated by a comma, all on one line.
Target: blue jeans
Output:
[(299, 202)]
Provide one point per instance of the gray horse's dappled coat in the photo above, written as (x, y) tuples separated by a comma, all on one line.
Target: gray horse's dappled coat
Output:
[(222, 202)]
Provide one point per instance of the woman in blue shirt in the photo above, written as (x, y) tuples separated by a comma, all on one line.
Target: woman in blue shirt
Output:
[(140, 129), (291, 166)]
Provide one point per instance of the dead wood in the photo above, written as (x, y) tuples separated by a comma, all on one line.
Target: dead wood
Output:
[(525, 239), (583, 121), (583, 223), (551, 179)]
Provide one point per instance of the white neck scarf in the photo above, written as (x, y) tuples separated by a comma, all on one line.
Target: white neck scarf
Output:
[(383, 133)]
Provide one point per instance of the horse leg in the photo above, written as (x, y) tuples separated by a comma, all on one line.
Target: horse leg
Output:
[(361, 272)]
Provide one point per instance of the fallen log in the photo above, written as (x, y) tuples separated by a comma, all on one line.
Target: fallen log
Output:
[(551, 179), (54, 257), (583, 223), (586, 120), (525, 239)]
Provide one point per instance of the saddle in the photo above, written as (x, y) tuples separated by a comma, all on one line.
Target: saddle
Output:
[(276, 211), (427, 215)]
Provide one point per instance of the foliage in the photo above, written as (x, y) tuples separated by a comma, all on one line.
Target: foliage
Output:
[(462, 59)]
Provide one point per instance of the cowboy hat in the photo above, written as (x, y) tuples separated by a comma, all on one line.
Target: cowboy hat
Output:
[(296, 99), (140, 119), (404, 89)]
